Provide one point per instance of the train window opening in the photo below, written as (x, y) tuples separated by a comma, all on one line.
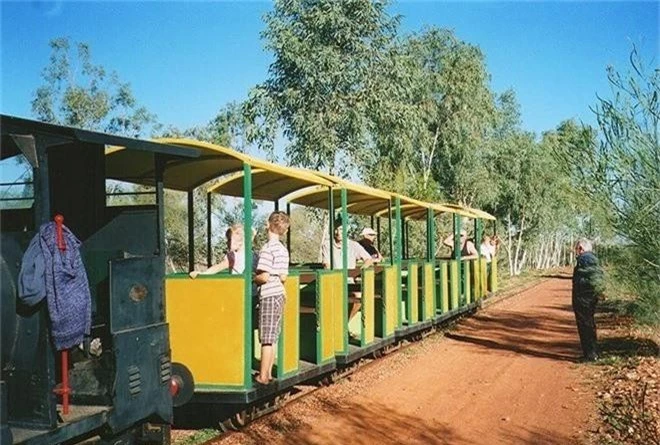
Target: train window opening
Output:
[(125, 194), (16, 183)]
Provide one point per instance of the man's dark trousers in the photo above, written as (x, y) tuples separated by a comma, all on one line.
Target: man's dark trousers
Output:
[(584, 307)]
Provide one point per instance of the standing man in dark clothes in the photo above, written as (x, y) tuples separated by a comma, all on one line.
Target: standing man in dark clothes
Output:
[(587, 288)]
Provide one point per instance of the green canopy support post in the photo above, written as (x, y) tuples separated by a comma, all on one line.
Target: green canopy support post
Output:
[(399, 255), (344, 260), (378, 232), (191, 232), (209, 248), (276, 205), (391, 230), (457, 254), (478, 239), (430, 235), (247, 272), (457, 237), (406, 223), (331, 225), (288, 232), (404, 254), (478, 235)]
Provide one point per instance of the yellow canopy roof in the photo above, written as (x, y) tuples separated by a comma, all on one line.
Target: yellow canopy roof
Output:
[(185, 175), (469, 212), (271, 183), (361, 200), (414, 209)]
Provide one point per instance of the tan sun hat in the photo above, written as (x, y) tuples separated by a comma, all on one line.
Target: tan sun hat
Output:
[(368, 231)]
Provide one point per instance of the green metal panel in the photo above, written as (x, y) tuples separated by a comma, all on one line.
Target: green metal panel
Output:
[(247, 273), (430, 235), (331, 225), (344, 255), (398, 256)]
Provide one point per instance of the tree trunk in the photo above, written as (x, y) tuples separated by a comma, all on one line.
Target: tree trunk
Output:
[(509, 247), (518, 244)]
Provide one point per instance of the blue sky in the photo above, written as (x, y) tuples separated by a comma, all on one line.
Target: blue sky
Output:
[(184, 61)]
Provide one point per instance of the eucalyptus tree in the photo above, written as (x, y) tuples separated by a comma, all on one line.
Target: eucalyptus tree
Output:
[(322, 80), (459, 115), (621, 173), (79, 93)]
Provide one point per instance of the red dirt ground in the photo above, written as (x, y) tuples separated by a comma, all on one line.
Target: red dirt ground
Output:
[(508, 375)]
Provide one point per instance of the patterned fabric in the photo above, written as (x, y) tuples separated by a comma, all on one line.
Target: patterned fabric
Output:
[(270, 318), (67, 288), (273, 259)]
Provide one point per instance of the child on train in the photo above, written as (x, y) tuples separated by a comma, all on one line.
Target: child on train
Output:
[(271, 273), (234, 260)]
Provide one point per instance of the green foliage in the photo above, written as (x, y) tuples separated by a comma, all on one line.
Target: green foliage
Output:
[(323, 80), (621, 175), (430, 130), (78, 93), (224, 129)]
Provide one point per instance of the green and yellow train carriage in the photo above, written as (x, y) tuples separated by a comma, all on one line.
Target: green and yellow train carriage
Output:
[(214, 346)]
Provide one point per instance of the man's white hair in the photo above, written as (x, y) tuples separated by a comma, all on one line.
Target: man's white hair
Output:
[(585, 244)]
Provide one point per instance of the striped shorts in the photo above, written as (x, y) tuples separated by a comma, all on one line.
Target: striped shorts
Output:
[(270, 318)]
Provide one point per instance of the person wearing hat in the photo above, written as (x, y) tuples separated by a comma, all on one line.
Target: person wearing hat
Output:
[(355, 253), (368, 237), (468, 251)]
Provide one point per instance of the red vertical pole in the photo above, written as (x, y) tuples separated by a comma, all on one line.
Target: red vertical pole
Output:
[(64, 355)]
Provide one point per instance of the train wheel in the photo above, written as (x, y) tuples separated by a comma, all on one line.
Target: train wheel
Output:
[(327, 380), (281, 399), (377, 354), (240, 419)]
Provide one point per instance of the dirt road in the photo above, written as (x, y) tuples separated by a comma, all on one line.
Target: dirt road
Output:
[(505, 376)]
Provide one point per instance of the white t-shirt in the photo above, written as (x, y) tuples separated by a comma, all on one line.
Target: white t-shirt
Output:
[(355, 252), (237, 261), (487, 251)]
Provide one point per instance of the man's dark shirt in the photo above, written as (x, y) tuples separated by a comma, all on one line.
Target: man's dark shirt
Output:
[(588, 282), (370, 248)]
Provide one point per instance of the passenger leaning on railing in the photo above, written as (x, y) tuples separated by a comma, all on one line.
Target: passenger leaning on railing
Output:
[(468, 251), (355, 252), (234, 260)]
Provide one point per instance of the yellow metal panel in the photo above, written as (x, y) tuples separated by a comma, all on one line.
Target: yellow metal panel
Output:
[(476, 276), (391, 308), (207, 328), (325, 311), (429, 284), (484, 277), (413, 293), (493, 275), (291, 325), (455, 285), (368, 315), (340, 312)]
